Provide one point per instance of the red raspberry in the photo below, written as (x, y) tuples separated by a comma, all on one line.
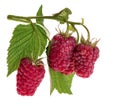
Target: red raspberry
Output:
[(29, 77), (84, 59), (61, 49), (70, 69), (96, 53)]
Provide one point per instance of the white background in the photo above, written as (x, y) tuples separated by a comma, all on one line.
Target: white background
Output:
[(102, 17)]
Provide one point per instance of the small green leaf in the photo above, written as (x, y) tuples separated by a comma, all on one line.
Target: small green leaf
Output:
[(63, 15), (39, 13), (27, 41), (62, 83)]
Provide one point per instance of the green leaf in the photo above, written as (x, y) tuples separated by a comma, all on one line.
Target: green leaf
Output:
[(39, 13), (62, 83), (63, 15), (27, 41)]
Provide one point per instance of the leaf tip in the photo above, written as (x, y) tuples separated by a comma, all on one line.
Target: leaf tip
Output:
[(8, 74)]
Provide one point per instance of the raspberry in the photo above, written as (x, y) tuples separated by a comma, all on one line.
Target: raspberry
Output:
[(61, 49), (29, 77), (70, 69), (84, 59), (96, 53)]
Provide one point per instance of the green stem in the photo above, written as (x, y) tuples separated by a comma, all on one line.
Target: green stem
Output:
[(78, 23), (27, 20), (45, 17), (78, 37), (67, 30), (18, 18)]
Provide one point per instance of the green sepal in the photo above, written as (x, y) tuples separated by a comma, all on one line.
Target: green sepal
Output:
[(82, 40), (95, 43)]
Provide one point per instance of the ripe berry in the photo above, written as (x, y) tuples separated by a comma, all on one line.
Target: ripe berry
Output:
[(61, 49), (70, 69), (84, 56), (29, 77), (96, 53)]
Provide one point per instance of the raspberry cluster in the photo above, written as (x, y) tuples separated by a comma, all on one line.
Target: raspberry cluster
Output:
[(29, 77), (66, 56)]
